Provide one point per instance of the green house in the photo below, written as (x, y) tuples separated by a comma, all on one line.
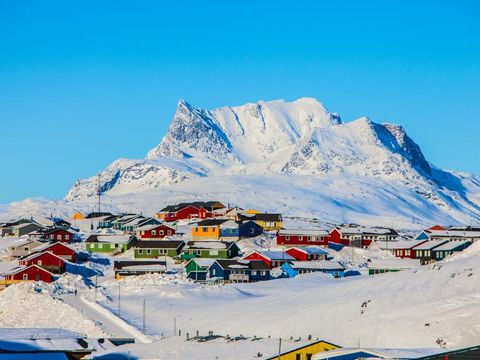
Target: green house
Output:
[(110, 243), (107, 222), (197, 268), (210, 249), (152, 249)]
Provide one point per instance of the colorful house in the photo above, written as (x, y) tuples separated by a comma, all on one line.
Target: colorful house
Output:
[(307, 253), (110, 243), (210, 229), (424, 251), (132, 226), (401, 249), (451, 234), (268, 222), (189, 210), (302, 237), (197, 268), (305, 352), (381, 266), (272, 259), (442, 251), (23, 248), (28, 273), (157, 248), (210, 249), (155, 231), (77, 215), (359, 236), (54, 234), (106, 222), (59, 249), (45, 260), (238, 271)]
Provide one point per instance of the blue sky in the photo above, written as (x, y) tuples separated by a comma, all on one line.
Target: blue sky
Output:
[(83, 83)]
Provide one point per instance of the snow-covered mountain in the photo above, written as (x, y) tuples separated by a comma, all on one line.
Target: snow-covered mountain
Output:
[(251, 148)]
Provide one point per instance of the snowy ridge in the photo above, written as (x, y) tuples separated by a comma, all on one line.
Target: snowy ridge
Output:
[(279, 147)]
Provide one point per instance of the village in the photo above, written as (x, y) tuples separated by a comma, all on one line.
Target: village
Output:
[(211, 243)]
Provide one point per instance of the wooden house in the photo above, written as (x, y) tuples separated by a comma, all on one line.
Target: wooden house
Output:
[(54, 234), (307, 253), (272, 259), (154, 249), (238, 271), (401, 249), (209, 229), (305, 351), (268, 221), (77, 215), (381, 266), (189, 210), (424, 252), (451, 234), (210, 249), (23, 248), (442, 251), (58, 248), (106, 222), (197, 268), (302, 237), (28, 273), (110, 243), (155, 231), (132, 225), (125, 268), (359, 236), (45, 260)]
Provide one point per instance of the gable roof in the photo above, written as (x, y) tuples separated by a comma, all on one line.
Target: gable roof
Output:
[(275, 255), (361, 230), (47, 246), (208, 205), (160, 244), (212, 222), (113, 239), (203, 262), (311, 250), (430, 244), (452, 245), (401, 244), (22, 268), (317, 265), (303, 232), (265, 217), (153, 226), (247, 264), (38, 254), (214, 245)]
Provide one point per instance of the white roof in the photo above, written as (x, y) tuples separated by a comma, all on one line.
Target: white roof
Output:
[(204, 262), (304, 232), (452, 245), (430, 244), (146, 267), (276, 255), (48, 245), (114, 239), (363, 230), (37, 254), (401, 244), (208, 245), (380, 353), (394, 263), (317, 265), (150, 227), (454, 233)]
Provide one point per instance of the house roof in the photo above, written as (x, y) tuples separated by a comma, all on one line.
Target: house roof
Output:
[(120, 264), (235, 264), (452, 245), (39, 254), (266, 217), (22, 268), (203, 262), (160, 244), (153, 226), (97, 214), (23, 243), (317, 265), (47, 246), (304, 232), (401, 244), (430, 244), (312, 250), (198, 204), (220, 245), (113, 239), (212, 222), (276, 255), (393, 263), (453, 233), (357, 230)]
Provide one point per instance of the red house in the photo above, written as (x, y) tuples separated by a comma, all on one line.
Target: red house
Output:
[(307, 253), (302, 237), (156, 231), (192, 210), (59, 249), (45, 260), (406, 249), (273, 259), (359, 236), (29, 273), (55, 234), (437, 227)]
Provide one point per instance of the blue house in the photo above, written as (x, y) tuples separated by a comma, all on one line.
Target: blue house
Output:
[(293, 268), (238, 271), (239, 230)]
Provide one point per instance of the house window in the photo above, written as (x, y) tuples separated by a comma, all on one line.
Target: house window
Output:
[(169, 232), (51, 236), (100, 246), (59, 237), (254, 272), (287, 238), (214, 272), (300, 238), (161, 232), (25, 276), (204, 229), (25, 249), (39, 263), (149, 251), (154, 232), (143, 232), (140, 251), (214, 252)]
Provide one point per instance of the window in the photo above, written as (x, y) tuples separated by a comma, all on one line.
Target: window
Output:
[(300, 238), (169, 232), (100, 246), (39, 263), (254, 272), (59, 237), (140, 251), (25, 276), (214, 272), (154, 232), (67, 237), (26, 249), (161, 232), (298, 356), (149, 251), (51, 236), (214, 252), (204, 229)]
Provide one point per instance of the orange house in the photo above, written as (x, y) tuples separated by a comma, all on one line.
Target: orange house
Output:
[(207, 229)]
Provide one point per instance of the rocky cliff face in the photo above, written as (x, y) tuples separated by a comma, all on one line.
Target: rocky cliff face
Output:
[(279, 138)]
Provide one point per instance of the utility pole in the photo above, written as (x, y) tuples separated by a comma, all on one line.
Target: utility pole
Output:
[(143, 316), (99, 192), (279, 348)]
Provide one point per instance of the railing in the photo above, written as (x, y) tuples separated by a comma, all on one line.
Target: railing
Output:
[(238, 277)]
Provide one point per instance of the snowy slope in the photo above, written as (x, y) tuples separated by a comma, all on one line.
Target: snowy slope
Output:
[(296, 152)]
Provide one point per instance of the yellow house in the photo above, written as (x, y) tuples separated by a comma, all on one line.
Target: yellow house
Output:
[(78, 216), (305, 352), (207, 229), (269, 222)]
